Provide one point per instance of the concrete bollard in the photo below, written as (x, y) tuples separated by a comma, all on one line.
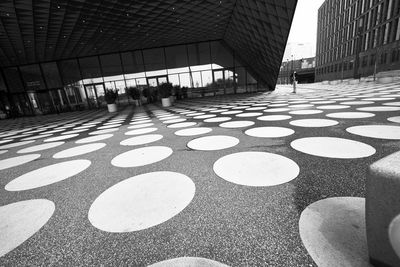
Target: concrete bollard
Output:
[(381, 207)]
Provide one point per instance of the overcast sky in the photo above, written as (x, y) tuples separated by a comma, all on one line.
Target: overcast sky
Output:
[(304, 26)]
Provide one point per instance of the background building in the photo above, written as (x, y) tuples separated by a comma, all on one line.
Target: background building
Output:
[(357, 38), (61, 55), (298, 51), (305, 71)]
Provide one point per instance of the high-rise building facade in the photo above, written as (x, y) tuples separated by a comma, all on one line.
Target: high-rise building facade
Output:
[(357, 38), (62, 55)]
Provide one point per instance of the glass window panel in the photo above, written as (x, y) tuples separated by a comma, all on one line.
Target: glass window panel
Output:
[(90, 69), (132, 62), (199, 54), (154, 59), (69, 70), (2, 84), (111, 66), (141, 82), (52, 75), (32, 77), (131, 83), (185, 79), (13, 80), (135, 75), (201, 67), (174, 79), (220, 55), (176, 57), (206, 77), (156, 73), (178, 70), (197, 79)]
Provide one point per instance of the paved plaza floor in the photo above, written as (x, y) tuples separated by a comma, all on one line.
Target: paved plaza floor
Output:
[(266, 179)]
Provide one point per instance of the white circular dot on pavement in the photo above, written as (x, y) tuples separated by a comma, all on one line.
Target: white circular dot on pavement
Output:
[(16, 161), (3, 151), (236, 124), (333, 147), (323, 102), (218, 110), (378, 99), (301, 106), (182, 124), (193, 131), (356, 103), (93, 138), (305, 112), (269, 132), (231, 112), (394, 119), (17, 144), (174, 121), (333, 232), (394, 234), (79, 150), (188, 261), (333, 107), (141, 156), (195, 114), (21, 220), (204, 116), (141, 131), (60, 138), (141, 202), (214, 142), (138, 126), (109, 126), (35, 137), (276, 110), (390, 132), (6, 141), (379, 108), (141, 140), (392, 104), (249, 114), (48, 175), (140, 122), (169, 118), (74, 131), (313, 123), (218, 119), (256, 108), (256, 168), (350, 115), (104, 131), (274, 118), (40, 147)]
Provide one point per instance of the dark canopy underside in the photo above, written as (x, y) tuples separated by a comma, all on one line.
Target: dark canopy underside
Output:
[(47, 30)]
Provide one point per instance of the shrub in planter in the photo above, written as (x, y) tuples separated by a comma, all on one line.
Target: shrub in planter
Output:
[(178, 92), (135, 94), (185, 92), (110, 95), (165, 92)]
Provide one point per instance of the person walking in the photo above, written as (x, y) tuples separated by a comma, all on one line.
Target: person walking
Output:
[(294, 82)]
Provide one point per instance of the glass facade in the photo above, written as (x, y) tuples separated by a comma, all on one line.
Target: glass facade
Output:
[(205, 68)]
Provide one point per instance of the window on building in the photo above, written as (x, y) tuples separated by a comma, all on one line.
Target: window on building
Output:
[(372, 59), (383, 58)]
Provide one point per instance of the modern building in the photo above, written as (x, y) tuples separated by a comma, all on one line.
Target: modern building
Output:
[(357, 38), (304, 68), (60, 55)]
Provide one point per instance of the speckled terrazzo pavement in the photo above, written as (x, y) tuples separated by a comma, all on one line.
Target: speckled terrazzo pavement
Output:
[(231, 223)]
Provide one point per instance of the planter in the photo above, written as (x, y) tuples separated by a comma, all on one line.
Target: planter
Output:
[(385, 80), (166, 102), (112, 107), (172, 98)]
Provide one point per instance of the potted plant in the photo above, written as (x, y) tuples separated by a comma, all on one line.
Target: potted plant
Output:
[(178, 92), (165, 93), (184, 92), (135, 94), (110, 95)]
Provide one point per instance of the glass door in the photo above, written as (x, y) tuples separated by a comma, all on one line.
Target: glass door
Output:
[(95, 93), (219, 81), (153, 83)]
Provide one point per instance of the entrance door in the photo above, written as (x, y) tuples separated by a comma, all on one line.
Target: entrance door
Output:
[(95, 93), (153, 83)]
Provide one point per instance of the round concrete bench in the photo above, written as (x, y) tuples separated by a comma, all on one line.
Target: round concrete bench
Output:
[(381, 209)]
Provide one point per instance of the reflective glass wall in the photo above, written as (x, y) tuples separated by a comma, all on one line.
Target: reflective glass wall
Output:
[(206, 68)]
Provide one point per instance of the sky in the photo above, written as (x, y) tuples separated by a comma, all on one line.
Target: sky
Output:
[(304, 25)]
